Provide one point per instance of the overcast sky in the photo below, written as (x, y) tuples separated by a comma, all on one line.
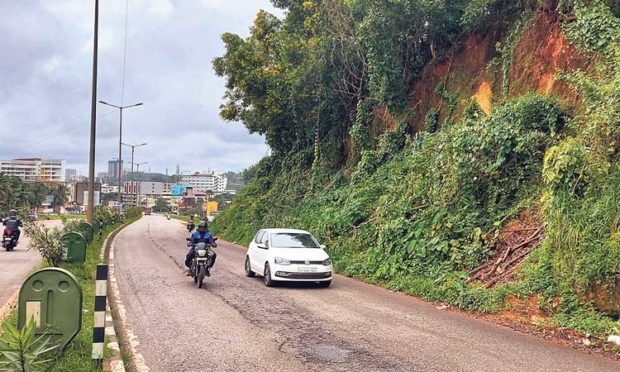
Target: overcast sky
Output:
[(45, 82)]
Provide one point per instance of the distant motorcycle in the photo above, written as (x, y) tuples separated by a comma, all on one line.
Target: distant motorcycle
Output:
[(9, 240), (190, 226), (203, 260)]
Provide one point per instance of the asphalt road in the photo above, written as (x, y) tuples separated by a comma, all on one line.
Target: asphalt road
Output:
[(237, 324), (17, 264)]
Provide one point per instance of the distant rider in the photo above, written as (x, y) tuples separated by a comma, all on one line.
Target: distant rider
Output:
[(13, 223), (200, 235)]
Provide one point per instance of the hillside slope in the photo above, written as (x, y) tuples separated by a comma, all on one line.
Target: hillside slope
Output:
[(470, 159)]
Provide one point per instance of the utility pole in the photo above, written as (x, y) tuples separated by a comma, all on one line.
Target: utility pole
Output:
[(137, 186), (120, 147), (133, 148), (93, 123)]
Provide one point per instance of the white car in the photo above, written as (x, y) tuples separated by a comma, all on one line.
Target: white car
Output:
[(289, 256)]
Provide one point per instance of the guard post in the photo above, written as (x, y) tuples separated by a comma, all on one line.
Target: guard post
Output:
[(101, 285)]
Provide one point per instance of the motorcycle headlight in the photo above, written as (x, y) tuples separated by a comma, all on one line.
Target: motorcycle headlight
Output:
[(202, 252), (327, 262), (282, 261)]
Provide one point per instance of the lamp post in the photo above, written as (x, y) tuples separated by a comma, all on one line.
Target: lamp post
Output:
[(137, 189), (93, 122), (120, 141), (133, 148)]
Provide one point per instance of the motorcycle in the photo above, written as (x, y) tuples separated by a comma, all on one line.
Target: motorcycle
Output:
[(190, 226), (9, 240), (203, 260), (167, 216)]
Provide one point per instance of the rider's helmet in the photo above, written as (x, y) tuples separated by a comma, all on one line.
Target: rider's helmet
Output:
[(202, 227), (12, 213)]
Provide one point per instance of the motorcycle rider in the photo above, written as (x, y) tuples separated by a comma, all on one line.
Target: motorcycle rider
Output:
[(13, 223), (200, 235), (190, 223)]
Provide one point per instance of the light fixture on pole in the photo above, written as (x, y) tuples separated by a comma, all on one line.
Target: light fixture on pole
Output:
[(120, 141)]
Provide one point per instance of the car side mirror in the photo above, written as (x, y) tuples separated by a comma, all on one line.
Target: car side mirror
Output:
[(323, 246), (261, 246)]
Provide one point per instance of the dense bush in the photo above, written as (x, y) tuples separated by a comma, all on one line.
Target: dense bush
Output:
[(424, 210)]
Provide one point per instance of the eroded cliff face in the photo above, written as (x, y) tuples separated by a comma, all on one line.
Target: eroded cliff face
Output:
[(492, 66)]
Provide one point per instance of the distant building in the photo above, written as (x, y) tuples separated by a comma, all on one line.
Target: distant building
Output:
[(146, 188), (209, 181), (70, 174), (34, 169), (107, 189), (114, 167), (80, 193), (103, 177)]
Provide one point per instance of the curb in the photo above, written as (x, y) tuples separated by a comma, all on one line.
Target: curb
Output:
[(128, 340), (115, 362)]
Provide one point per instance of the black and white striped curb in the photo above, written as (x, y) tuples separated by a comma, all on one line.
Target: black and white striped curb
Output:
[(115, 362)]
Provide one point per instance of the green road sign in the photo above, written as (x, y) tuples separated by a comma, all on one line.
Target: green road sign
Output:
[(75, 247), (53, 298), (88, 231)]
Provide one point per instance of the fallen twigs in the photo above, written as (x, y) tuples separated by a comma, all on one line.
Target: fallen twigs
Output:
[(505, 263)]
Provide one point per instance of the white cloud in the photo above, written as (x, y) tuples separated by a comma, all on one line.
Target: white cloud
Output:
[(45, 81)]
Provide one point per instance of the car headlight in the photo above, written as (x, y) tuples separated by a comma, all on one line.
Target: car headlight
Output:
[(282, 261), (327, 262)]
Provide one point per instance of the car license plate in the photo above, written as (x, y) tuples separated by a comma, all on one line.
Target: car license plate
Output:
[(306, 269)]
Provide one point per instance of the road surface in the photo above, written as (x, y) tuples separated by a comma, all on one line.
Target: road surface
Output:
[(237, 324), (17, 264)]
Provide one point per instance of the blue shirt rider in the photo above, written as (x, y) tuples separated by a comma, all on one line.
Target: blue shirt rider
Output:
[(200, 235)]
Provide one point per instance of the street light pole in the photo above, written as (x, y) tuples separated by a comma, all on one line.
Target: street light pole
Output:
[(138, 190), (93, 122), (120, 148), (133, 147)]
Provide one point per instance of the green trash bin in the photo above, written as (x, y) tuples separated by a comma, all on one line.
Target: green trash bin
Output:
[(52, 297), (75, 247)]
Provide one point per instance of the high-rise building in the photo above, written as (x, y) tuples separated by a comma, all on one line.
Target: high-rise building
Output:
[(70, 174), (114, 167), (34, 169)]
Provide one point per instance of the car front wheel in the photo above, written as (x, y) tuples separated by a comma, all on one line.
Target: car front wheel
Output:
[(267, 276), (248, 269)]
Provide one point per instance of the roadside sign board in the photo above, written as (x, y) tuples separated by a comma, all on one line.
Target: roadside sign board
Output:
[(75, 247), (52, 297)]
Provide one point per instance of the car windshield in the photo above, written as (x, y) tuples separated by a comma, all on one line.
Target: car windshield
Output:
[(293, 240)]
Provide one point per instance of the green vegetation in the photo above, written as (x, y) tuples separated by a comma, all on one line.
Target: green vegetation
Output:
[(22, 350), (24, 196), (77, 356), (330, 85)]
